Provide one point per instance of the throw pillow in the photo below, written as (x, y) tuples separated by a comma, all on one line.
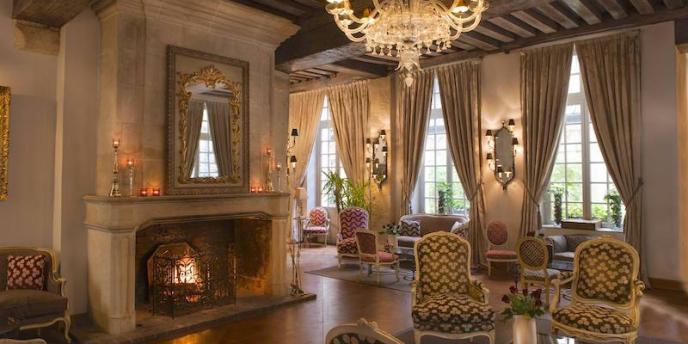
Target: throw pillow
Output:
[(409, 228), (460, 229), (25, 272)]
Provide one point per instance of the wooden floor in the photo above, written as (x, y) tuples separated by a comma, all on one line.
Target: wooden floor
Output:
[(664, 315)]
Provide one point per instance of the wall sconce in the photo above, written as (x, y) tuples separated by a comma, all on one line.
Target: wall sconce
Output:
[(502, 149), (376, 157), (291, 157)]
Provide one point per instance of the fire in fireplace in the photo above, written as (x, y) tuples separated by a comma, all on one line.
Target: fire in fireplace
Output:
[(183, 280)]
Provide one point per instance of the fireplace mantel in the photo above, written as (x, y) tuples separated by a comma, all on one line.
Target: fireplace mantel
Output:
[(112, 224)]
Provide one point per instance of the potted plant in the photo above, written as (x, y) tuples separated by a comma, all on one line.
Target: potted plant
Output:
[(524, 307), (557, 192), (345, 193), (614, 203), (445, 198)]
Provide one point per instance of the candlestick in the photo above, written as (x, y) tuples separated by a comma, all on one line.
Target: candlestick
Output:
[(130, 165), (268, 170), (114, 188)]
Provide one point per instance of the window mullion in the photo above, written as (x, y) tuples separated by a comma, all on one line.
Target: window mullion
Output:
[(587, 205)]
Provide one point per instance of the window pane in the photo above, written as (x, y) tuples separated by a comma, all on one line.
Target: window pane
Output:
[(430, 206), (573, 133), (430, 142), (441, 174), (598, 173), (574, 210), (441, 141), (575, 84), (429, 159), (591, 133), (441, 158), (574, 153), (574, 173), (561, 154), (429, 173), (573, 114), (559, 173), (430, 190), (600, 212), (574, 192), (597, 193), (595, 153)]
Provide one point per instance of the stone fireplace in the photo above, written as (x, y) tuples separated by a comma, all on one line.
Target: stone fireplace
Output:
[(123, 233)]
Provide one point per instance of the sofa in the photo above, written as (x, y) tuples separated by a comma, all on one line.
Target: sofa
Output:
[(31, 296), (430, 223), (564, 246)]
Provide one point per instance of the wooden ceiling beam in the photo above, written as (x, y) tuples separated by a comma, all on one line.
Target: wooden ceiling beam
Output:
[(615, 8), (463, 46), (358, 68), (585, 9), (269, 9), (374, 60), (643, 6), (494, 31), (514, 25), (633, 20), (536, 20), (479, 40), (673, 4), (560, 14), (52, 13)]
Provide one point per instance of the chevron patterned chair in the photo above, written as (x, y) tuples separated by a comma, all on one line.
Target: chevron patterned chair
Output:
[(447, 302), (606, 293), (318, 225), (350, 220)]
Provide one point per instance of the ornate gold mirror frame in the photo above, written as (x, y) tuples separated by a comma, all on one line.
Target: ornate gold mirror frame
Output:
[(179, 96), (4, 139)]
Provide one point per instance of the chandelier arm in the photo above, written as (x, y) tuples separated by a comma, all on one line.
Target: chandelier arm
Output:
[(347, 29)]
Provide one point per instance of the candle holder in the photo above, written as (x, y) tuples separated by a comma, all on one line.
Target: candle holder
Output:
[(143, 192), (268, 164), (114, 188), (130, 167), (156, 191)]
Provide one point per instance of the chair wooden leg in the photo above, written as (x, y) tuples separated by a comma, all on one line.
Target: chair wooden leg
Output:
[(547, 292), (67, 325), (339, 261), (396, 271), (491, 336), (489, 269), (377, 273), (417, 336)]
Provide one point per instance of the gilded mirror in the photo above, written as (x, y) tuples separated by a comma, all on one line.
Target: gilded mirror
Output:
[(501, 159), (208, 123), (4, 139)]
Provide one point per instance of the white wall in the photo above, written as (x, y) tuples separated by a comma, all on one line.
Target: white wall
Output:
[(26, 217)]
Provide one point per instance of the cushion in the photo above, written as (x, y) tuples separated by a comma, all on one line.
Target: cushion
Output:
[(347, 246), (407, 241), (385, 257), (353, 338), (457, 313), (606, 272), (315, 229), (539, 275), (558, 242), (572, 241), (501, 254), (460, 229), (497, 233), (567, 256), (430, 223), (28, 303), (594, 318), (26, 272), (409, 228)]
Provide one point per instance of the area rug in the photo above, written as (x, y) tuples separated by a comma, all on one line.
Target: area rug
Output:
[(351, 273)]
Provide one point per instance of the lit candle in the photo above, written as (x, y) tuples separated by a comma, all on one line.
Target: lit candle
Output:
[(156, 192), (143, 192), (130, 162), (115, 143), (260, 189), (253, 188)]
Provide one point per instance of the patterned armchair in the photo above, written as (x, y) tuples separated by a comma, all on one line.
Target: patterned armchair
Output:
[(606, 293), (498, 235), (362, 332), (375, 255), (350, 219), (318, 225), (533, 257), (447, 303)]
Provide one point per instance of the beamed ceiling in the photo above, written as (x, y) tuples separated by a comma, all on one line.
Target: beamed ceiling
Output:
[(321, 52)]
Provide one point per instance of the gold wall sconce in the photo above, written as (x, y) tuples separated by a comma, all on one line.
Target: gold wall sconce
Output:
[(502, 147), (377, 151)]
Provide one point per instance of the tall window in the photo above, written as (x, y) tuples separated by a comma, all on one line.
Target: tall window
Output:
[(205, 161), (327, 159), (438, 170), (579, 169)]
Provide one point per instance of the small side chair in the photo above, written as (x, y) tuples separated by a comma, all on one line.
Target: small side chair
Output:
[(498, 235), (350, 219), (373, 254), (318, 225), (533, 258), (362, 332)]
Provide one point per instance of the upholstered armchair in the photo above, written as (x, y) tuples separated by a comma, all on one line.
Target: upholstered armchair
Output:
[(32, 293), (533, 258), (362, 332), (373, 254), (350, 219), (605, 293), (447, 302), (498, 235), (318, 225)]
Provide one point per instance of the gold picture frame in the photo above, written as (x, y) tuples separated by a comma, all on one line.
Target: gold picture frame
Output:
[(5, 95)]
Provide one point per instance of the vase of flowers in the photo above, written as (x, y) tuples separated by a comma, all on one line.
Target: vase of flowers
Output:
[(524, 307)]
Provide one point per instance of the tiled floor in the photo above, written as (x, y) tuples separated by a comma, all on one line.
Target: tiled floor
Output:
[(664, 314)]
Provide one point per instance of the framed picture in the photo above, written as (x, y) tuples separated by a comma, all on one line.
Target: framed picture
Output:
[(4, 139)]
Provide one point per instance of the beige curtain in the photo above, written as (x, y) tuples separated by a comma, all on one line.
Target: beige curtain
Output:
[(349, 105), (414, 110), (460, 94), (220, 131), (544, 88), (195, 117), (304, 115), (610, 68)]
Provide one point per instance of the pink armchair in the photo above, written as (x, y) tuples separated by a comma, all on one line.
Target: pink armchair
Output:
[(318, 225), (350, 219), (372, 253)]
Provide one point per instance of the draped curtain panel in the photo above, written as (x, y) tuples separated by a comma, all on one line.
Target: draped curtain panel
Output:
[(304, 115), (544, 88), (221, 131), (460, 94), (414, 110), (193, 134), (350, 105), (610, 68)]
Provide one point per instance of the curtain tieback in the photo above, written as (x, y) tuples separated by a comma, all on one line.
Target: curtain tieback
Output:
[(636, 191), (532, 197), (477, 190)]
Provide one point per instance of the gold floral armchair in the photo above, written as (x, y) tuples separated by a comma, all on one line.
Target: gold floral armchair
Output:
[(447, 303), (362, 332), (605, 290)]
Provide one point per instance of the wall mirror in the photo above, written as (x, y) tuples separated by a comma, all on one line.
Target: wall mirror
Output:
[(207, 123), (501, 154), (4, 139)]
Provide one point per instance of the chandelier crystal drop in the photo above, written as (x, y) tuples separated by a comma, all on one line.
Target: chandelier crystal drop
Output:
[(407, 29)]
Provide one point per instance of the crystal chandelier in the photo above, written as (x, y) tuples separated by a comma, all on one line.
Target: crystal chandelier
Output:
[(407, 28)]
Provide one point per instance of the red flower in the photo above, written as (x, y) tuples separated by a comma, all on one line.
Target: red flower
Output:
[(538, 303), (536, 294), (525, 291), (513, 289), (506, 299)]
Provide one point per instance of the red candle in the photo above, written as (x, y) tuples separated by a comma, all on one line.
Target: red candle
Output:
[(253, 189), (156, 192), (260, 189), (143, 192)]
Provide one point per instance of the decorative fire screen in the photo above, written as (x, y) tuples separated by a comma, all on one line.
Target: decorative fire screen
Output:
[(183, 280)]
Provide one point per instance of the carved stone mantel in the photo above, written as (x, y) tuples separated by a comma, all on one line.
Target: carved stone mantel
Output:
[(112, 224)]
